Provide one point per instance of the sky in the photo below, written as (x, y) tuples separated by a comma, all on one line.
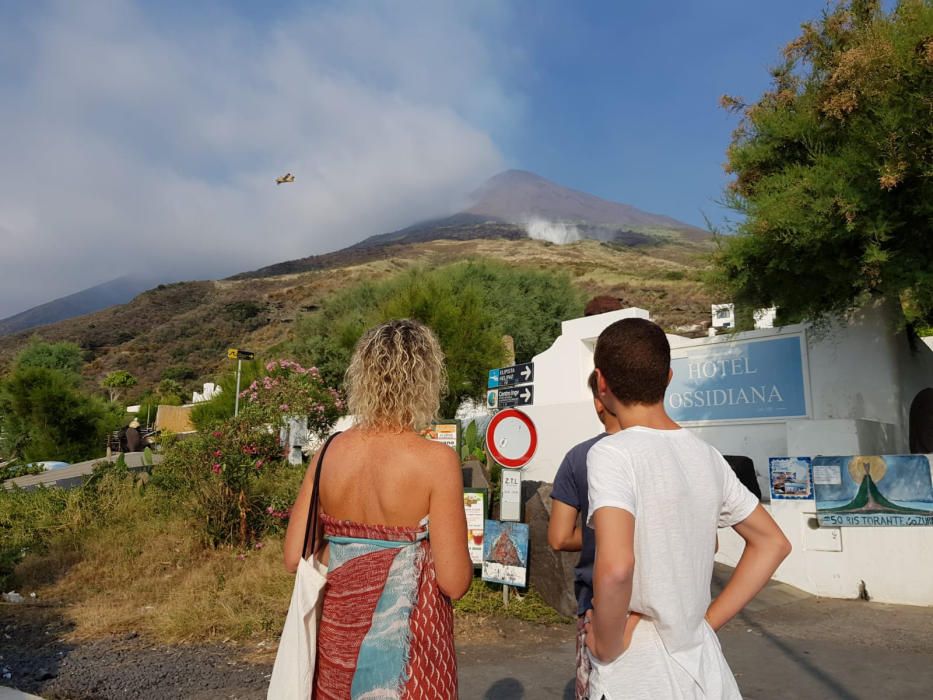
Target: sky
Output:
[(145, 137)]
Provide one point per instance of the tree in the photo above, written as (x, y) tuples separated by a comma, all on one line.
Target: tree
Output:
[(171, 393), (116, 382), (64, 356), (832, 166), (44, 415), (470, 306)]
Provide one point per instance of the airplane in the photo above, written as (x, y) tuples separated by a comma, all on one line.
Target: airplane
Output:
[(287, 177)]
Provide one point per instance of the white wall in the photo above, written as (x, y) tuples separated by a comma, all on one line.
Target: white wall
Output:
[(894, 562), (563, 404)]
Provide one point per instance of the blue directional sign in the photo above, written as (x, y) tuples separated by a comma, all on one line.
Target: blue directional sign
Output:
[(512, 376)]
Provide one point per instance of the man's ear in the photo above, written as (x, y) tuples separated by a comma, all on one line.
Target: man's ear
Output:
[(670, 375), (601, 387)]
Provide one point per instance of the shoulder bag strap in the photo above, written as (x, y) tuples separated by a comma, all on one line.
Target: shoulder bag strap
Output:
[(311, 526)]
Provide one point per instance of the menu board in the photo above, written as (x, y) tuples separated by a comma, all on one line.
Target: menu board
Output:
[(474, 505)]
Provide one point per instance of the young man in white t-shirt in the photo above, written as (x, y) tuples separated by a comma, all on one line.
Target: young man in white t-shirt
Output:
[(657, 494)]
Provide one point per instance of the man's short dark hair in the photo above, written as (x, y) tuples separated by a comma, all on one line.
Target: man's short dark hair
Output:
[(593, 384), (635, 358)]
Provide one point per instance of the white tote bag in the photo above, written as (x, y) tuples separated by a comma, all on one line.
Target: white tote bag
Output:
[(293, 672)]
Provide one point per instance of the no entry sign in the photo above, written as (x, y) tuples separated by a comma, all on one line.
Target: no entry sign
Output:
[(511, 438)]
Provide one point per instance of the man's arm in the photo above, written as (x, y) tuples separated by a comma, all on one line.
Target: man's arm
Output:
[(612, 581), (765, 548), (563, 532)]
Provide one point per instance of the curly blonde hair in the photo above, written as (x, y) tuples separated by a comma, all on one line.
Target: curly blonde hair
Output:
[(396, 377)]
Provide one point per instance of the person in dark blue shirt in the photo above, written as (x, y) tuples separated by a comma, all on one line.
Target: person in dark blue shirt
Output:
[(568, 533)]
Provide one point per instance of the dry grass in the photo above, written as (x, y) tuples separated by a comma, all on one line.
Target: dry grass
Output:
[(152, 576)]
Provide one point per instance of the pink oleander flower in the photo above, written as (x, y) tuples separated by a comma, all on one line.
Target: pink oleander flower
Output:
[(270, 366), (216, 468), (283, 407), (217, 453), (259, 463), (258, 545), (270, 510), (217, 434)]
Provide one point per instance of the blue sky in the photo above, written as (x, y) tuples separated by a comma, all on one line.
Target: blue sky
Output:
[(141, 135)]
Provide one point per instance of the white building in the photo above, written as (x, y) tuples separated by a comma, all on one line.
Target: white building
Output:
[(210, 391), (844, 389)]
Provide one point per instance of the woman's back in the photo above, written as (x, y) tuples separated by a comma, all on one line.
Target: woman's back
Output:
[(380, 478), (391, 506)]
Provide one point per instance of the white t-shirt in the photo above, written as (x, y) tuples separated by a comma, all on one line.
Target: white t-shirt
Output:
[(680, 490)]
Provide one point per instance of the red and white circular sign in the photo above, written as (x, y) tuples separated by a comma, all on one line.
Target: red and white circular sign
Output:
[(511, 438)]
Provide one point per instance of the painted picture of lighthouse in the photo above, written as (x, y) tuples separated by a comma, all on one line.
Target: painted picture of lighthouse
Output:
[(873, 490), (505, 553)]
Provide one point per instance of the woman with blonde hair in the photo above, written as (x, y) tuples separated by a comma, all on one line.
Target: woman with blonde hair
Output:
[(386, 626)]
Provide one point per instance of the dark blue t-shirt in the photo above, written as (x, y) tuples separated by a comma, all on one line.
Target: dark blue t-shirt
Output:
[(570, 488)]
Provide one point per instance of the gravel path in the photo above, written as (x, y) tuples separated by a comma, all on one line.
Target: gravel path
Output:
[(34, 658)]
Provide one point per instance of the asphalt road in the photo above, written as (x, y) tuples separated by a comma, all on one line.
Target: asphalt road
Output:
[(786, 645)]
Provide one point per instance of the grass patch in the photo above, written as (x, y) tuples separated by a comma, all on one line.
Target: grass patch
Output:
[(485, 600)]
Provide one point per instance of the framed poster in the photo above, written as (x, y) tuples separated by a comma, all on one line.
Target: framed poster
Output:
[(474, 505), (874, 490), (505, 553), (791, 478)]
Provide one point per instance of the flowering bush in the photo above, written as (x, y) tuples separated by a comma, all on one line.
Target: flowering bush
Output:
[(234, 479), (292, 390), (226, 478)]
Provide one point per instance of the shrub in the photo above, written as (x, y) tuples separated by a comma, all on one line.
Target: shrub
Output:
[(215, 475)]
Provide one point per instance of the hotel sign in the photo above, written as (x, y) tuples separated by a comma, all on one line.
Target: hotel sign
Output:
[(742, 380)]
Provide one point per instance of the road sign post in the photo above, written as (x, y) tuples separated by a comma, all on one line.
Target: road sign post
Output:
[(239, 356)]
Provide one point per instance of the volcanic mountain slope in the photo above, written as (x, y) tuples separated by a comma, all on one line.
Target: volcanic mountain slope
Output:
[(514, 205), (101, 296), (189, 325)]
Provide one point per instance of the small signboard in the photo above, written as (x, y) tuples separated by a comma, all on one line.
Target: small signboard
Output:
[(509, 398), (237, 354), (474, 505), (505, 553), (446, 432), (791, 478), (510, 376), (511, 438)]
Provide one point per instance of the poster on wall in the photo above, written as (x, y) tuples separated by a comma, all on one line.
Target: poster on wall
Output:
[(505, 553), (474, 505), (446, 432), (874, 491), (791, 478)]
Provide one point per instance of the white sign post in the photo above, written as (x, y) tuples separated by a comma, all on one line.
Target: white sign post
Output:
[(510, 496)]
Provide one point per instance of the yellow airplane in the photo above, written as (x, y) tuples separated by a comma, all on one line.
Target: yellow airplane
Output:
[(287, 177)]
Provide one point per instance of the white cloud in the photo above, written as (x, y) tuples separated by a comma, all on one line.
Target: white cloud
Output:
[(143, 143)]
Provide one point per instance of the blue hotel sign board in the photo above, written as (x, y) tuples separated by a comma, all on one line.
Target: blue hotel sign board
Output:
[(743, 380)]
